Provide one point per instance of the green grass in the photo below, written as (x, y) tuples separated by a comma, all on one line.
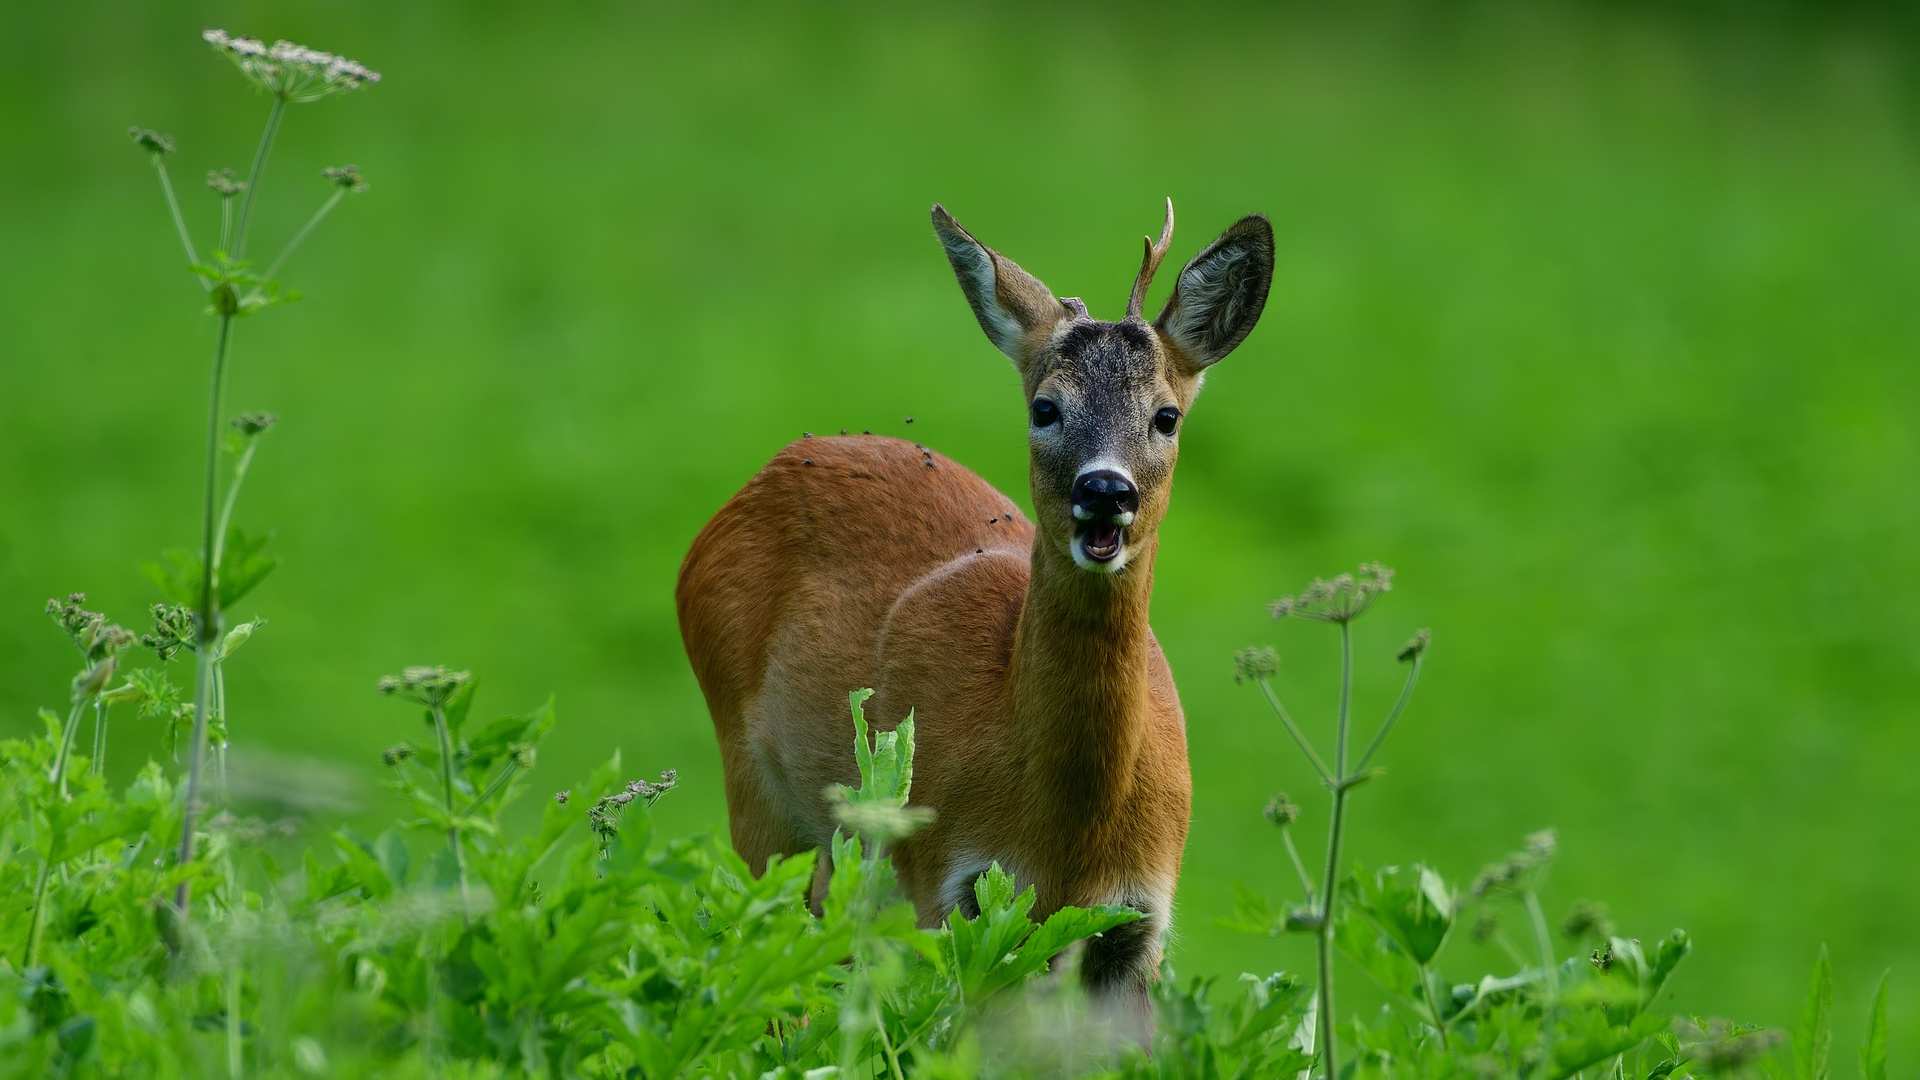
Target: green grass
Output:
[(1596, 323)]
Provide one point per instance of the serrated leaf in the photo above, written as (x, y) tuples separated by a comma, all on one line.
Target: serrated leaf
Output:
[(1414, 909)]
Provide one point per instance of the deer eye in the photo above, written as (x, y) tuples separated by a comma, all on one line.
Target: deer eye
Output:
[(1166, 421), (1044, 412)]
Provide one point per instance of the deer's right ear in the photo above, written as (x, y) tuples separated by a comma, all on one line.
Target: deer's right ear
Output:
[(1010, 303)]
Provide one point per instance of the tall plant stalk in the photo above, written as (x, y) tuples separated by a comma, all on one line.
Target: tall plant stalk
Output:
[(207, 612), (453, 821), (1336, 831), (290, 74), (1339, 601)]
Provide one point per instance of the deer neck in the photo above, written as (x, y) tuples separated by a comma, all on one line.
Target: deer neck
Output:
[(1078, 685)]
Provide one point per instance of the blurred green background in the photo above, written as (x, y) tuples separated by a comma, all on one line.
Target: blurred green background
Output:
[(1598, 322)]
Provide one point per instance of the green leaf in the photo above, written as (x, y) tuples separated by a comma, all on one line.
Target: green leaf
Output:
[(1873, 1052), (242, 566), (1591, 1040), (1253, 914), (1415, 910), (1813, 1041), (497, 738), (177, 576)]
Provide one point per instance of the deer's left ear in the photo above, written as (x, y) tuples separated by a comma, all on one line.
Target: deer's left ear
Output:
[(1220, 294)]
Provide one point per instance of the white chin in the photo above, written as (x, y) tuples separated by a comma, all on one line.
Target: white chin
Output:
[(1099, 566)]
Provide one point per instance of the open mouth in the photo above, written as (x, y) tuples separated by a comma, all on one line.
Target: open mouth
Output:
[(1102, 541)]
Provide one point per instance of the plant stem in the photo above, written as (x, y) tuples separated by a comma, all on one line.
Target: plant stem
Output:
[(179, 222), (207, 617), (1299, 867), (1406, 691), (39, 911), (1433, 1007), (59, 773), (220, 710), (318, 215), (1335, 832), (99, 737), (893, 1060), (253, 178), (1293, 729), (233, 496), (446, 780)]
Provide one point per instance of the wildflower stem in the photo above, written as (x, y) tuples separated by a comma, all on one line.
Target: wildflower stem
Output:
[(36, 927), (179, 222), (318, 216), (253, 177), (207, 617), (233, 495), (446, 780), (1293, 729), (1335, 833), (99, 737), (67, 738), (1299, 867), (1406, 691)]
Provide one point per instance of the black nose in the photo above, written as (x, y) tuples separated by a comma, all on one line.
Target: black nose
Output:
[(1104, 493)]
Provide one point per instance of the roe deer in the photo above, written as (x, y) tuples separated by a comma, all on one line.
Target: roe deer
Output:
[(1050, 737)]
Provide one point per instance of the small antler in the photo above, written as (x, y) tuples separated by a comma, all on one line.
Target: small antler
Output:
[(1149, 263)]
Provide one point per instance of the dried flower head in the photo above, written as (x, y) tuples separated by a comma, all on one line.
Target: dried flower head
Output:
[(1718, 1046), (172, 630), (225, 183), (603, 817), (151, 141), (1255, 662), (429, 686), (1341, 600), (397, 753), (1415, 647), (254, 423), (1587, 919), (346, 177), (90, 632), (1507, 875), (1281, 810), (291, 72)]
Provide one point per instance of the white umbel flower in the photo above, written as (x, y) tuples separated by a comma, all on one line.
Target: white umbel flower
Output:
[(291, 71)]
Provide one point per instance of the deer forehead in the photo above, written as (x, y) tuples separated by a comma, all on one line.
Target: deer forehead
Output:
[(1107, 369)]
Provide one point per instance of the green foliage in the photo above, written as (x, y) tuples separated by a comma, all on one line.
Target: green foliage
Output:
[(1813, 1039), (1873, 1051)]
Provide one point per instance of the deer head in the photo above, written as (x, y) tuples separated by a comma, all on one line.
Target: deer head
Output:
[(1106, 400)]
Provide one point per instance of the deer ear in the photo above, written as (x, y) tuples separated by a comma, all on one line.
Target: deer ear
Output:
[(1010, 303), (1220, 294)]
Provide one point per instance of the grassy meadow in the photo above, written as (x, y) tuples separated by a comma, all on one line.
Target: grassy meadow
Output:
[(1597, 322)]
